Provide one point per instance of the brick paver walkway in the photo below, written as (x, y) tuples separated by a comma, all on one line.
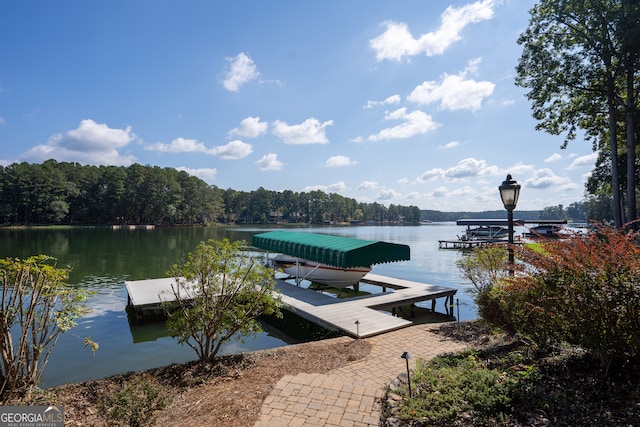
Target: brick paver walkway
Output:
[(350, 396)]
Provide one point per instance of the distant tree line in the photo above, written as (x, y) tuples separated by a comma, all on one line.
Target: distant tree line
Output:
[(439, 216), (69, 193), (575, 212)]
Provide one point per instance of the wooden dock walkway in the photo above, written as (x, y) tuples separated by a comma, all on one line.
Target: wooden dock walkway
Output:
[(358, 317)]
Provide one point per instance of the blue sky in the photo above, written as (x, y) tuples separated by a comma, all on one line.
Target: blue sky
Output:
[(404, 102)]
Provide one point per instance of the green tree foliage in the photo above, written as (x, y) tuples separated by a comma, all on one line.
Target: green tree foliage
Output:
[(483, 267), (68, 193), (220, 292), (37, 307), (584, 290), (580, 62)]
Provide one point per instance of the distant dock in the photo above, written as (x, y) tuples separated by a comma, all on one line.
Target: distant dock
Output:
[(133, 227), (358, 317), (467, 244)]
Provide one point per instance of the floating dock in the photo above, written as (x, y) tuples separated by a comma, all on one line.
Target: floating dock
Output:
[(358, 317)]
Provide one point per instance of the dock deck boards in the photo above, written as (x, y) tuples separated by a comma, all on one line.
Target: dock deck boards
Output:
[(149, 292), (328, 312)]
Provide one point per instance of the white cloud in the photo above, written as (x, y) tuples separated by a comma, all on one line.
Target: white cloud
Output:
[(91, 143), (464, 191), (465, 168), (387, 194), (415, 123), (449, 145), (241, 70), (2, 122), (337, 161), (454, 92), (392, 100), (331, 188), (232, 151), (519, 169), (337, 187), (368, 185), (414, 195), (179, 145), (205, 174), (458, 193), (440, 192), (588, 160), (311, 131), (251, 127), (553, 158), (270, 162), (397, 41), (546, 178)]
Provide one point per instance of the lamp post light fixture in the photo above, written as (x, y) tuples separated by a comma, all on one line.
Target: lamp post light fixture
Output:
[(509, 193), (406, 356)]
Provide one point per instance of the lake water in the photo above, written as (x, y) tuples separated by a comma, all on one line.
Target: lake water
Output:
[(102, 259)]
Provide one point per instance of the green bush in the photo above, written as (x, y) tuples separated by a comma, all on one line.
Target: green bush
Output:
[(135, 403), (220, 292), (37, 307), (483, 267), (583, 290), (452, 388)]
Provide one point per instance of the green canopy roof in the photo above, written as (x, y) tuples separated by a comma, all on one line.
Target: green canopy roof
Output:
[(336, 251)]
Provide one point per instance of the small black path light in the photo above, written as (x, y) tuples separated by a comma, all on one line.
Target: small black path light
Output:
[(357, 328), (509, 193), (406, 356)]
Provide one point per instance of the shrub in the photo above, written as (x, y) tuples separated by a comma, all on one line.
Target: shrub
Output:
[(37, 307), (135, 403), (484, 267), (219, 293), (452, 388), (584, 290)]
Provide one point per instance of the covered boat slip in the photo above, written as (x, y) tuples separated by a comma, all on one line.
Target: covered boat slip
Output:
[(505, 223), (461, 243), (357, 317), (331, 250)]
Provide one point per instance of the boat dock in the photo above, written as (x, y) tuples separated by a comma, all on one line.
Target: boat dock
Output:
[(466, 244), (358, 317)]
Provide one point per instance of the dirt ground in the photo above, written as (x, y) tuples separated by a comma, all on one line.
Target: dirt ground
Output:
[(229, 392)]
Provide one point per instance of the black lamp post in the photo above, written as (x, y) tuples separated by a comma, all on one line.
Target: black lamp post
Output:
[(509, 192), (406, 356)]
